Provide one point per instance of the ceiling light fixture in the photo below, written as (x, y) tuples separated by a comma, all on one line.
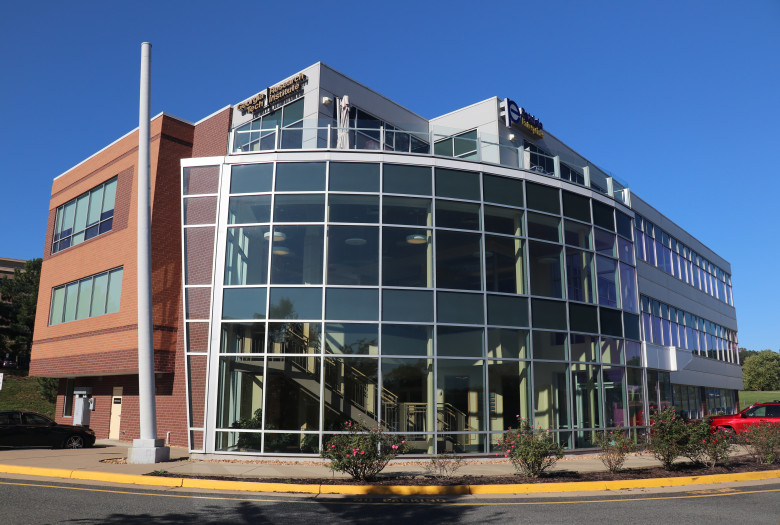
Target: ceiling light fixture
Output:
[(277, 235), (416, 238)]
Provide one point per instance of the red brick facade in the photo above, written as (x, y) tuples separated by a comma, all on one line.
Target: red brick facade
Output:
[(101, 352), (211, 134)]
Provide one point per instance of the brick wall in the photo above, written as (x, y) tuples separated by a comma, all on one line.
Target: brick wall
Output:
[(104, 348), (211, 135)]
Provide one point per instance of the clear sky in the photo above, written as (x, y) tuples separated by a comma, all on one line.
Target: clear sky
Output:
[(679, 99)]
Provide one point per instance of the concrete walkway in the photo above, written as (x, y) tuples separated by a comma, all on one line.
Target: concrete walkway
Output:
[(105, 462)]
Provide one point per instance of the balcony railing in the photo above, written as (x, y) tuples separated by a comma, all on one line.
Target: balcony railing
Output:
[(471, 146)]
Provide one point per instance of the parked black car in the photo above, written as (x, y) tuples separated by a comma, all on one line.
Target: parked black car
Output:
[(28, 429)]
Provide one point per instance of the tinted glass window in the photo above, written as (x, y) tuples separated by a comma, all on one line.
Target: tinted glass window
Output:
[(414, 180), (300, 176), (542, 198), (457, 184), (576, 206), (251, 178), (602, 216), (502, 190), (353, 176)]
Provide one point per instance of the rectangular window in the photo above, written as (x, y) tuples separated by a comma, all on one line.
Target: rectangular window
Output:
[(84, 217), (88, 297), (67, 410)]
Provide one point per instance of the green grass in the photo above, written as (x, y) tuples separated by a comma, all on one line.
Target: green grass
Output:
[(748, 397), (21, 392)]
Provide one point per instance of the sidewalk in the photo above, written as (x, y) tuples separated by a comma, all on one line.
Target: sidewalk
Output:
[(103, 462)]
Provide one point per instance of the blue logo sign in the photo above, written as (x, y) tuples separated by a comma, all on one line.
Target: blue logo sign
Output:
[(514, 114)]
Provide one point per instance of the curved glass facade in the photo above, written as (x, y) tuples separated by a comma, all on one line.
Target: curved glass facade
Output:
[(442, 301)]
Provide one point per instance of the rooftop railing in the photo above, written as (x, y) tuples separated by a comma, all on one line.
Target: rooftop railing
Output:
[(470, 146)]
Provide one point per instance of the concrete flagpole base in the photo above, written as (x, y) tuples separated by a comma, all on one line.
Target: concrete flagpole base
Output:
[(148, 451)]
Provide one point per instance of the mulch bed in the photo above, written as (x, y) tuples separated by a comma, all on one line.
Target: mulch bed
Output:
[(738, 464)]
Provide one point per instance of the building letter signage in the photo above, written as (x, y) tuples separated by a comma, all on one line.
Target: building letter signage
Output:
[(516, 115), (274, 95)]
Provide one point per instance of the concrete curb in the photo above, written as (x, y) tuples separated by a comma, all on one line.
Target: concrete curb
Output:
[(397, 490)]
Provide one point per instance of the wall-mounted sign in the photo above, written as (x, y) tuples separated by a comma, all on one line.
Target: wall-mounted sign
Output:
[(515, 115), (253, 105), (274, 95)]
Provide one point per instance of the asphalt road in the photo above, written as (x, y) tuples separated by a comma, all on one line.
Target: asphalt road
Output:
[(39, 502)]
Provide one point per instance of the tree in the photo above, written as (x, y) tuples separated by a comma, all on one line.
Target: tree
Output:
[(17, 309), (762, 371), (744, 353)]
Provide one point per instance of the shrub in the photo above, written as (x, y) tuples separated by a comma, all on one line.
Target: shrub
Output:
[(363, 452), (614, 444), (531, 450), (762, 442), (444, 465), (696, 440), (718, 447), (669, 436), (707, 447)]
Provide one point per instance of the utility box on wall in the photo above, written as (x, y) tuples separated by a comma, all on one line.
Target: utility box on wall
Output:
[(83, 404)]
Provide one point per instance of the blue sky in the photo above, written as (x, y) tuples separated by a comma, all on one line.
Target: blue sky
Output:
[(678, 99)]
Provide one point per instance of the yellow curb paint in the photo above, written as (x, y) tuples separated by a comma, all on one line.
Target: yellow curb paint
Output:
[(693, 480), (251, 486), (397, 490), (537, 488), (586, 486), (36, 471), (394, 490), (130, 479)]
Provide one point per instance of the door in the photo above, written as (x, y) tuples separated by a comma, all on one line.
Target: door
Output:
[(116, 413)]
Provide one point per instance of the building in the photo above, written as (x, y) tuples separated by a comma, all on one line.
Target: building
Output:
[(321, 253), (7, 267)]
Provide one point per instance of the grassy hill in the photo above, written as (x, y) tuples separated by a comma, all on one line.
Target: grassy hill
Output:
[(21, 392), (748, 397)]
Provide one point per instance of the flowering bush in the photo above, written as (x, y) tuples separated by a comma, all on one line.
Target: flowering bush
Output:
[(669, 436), (363, 452), (614, 444), (705, 446), (531, 450), (762, 442)]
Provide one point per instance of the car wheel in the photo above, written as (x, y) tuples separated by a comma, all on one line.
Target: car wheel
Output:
[(74, 441)]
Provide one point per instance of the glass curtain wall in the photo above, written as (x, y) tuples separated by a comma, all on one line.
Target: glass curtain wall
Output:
[(442, 303)]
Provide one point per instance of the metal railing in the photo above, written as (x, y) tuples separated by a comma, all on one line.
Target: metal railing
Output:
[(474, 147)]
